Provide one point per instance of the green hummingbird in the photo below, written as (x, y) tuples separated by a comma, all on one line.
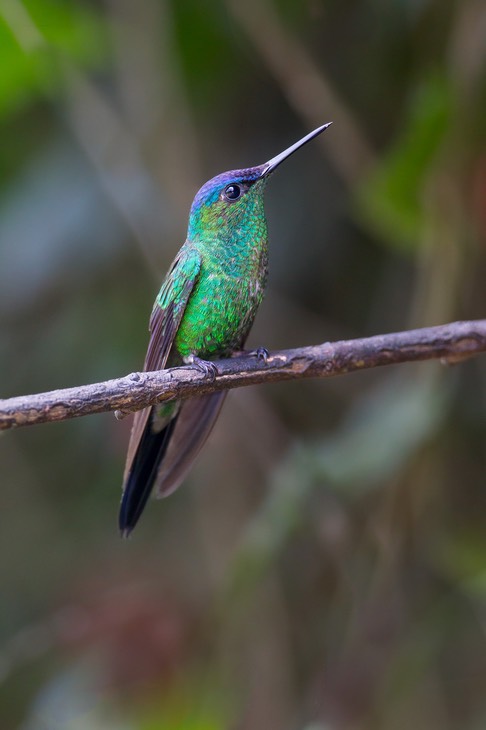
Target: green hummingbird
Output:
[(204, 311)]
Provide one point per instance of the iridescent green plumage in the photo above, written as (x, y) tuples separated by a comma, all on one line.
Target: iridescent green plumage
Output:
[(204, 310), (225, 298)]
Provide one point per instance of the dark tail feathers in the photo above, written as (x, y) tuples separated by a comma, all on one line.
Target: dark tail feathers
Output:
[(150, 453)]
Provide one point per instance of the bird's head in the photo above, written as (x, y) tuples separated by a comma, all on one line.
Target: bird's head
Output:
[(232, 202)]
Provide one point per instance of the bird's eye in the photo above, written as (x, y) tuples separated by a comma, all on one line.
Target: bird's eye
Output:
[(232, 192)]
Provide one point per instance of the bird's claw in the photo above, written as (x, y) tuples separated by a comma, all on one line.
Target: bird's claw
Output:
[(206, 367), (261, 353)]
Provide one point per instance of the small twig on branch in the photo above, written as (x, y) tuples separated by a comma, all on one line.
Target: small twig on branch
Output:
[(452, 342)]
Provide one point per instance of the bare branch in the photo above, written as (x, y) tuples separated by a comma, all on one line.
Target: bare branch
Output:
[(453, 342)]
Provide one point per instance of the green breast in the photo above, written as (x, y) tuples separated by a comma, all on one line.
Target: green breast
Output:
[(223, 304)]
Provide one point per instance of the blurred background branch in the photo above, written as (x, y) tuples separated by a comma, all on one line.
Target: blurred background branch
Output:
[(307, 88)]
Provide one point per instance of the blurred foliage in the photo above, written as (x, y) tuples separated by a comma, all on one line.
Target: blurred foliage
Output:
[(34, 37), (324, 567), (392, 195)]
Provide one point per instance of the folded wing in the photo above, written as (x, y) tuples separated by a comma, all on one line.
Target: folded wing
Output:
[(153, 427)]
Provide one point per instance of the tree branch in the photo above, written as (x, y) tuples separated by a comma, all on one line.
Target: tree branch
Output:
[(453, 342)]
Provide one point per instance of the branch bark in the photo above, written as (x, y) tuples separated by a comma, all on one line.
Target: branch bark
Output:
[(452, 342)]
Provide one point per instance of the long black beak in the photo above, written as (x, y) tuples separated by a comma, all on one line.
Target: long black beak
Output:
[(272, 164)]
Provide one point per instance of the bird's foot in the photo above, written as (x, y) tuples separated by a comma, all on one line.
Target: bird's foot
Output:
[(261, 353), (206, 367)]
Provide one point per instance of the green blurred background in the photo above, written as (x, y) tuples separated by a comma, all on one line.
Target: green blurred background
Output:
[(324, 566)]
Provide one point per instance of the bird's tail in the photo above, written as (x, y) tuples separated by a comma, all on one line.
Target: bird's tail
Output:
[(140, 479)]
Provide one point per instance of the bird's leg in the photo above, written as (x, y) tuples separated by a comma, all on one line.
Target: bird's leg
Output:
[(206, 367)]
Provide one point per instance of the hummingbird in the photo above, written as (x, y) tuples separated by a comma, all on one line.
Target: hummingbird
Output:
[(204, 311)]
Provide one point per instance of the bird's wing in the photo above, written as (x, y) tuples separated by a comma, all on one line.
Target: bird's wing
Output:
[(165, 319), (194, 422)]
